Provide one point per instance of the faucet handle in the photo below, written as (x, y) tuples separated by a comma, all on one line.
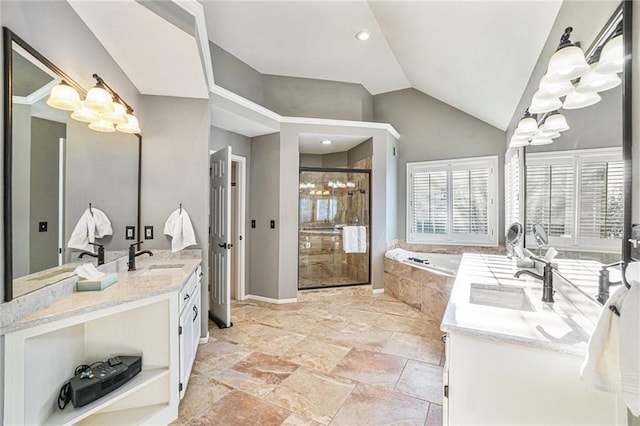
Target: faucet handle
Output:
[(136, 244)]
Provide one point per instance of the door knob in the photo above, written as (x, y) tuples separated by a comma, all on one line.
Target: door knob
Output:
[(223, 245)]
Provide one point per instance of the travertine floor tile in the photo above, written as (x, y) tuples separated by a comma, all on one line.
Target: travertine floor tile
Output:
[(371, 367), (415, 347), (312, 394), (218, 355), (376, 406), (434, 418), (240, 409), (365, 337), (317, 353), (267, 368), (202, 392), (296, 420), (409, 325), (421, 380)]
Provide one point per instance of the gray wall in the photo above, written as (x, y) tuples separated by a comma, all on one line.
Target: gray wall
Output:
[(45, 137), (338, 159), (175, 169), (291, 96), (304, 97), (21, 186), (433, 130), (235, 75), (264, 194), (360, 151), (310, 160), (101, 169)]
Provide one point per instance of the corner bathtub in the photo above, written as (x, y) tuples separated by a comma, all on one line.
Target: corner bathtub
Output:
[(424, 286)]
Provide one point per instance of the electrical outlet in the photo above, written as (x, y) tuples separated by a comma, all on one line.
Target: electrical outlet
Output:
[(42, 226), (130, 232), (148, 232), (272, 224)]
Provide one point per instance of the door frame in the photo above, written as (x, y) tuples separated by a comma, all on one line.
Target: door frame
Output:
[(240, 217)]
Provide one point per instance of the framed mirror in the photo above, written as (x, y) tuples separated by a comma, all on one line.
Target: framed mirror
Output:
[(53, 168), (578, 188)]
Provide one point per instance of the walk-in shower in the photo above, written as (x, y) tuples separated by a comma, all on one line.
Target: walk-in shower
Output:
[(333, 230)]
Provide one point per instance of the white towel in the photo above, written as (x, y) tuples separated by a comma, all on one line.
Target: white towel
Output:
[(354, 239), (92, 224), (630, 340), (180, 229), (613, 357)]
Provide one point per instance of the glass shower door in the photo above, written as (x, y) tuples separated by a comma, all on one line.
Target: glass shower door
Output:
[(333, 231)]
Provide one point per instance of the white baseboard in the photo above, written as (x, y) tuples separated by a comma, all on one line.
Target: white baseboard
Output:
[(204, 339), (378, 290), (270, 300)]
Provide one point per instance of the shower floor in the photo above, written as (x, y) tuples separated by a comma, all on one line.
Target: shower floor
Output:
[(345, 280)]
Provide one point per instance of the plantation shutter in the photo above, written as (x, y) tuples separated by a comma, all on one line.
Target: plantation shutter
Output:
[(601, 200), (470, 201), (512, 187), (550, 198), (430, 202)]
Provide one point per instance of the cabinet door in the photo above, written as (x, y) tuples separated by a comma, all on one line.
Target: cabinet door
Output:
[(190, 337)]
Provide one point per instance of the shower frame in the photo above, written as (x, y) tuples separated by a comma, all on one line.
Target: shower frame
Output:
[(338, 170)]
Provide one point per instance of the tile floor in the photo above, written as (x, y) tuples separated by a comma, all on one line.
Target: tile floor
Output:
[(338, 356)]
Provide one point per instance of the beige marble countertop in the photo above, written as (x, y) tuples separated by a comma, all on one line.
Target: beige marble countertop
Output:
[(131, 286), (563, 326)]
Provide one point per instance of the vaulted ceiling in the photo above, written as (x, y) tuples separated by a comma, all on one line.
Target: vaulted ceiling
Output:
[(474, 55)]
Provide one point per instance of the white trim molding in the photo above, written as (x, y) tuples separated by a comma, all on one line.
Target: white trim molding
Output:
[(378, 290), (270, 300)]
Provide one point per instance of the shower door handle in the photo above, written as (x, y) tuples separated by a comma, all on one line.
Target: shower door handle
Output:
[(223, 245)]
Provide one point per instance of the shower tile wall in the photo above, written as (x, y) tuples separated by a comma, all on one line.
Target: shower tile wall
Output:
[(323, 211)]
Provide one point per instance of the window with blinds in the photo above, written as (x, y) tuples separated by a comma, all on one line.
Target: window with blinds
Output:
[(452, 201), (577, 196), (512, 187)]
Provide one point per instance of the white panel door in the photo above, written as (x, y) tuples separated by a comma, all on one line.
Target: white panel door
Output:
[(220, 237)]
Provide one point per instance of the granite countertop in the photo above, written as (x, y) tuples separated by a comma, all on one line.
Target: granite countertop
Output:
[(563, 326), (131, 286)]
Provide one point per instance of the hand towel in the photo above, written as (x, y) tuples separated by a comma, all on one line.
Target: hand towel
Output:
[(354, 239), (92, 224), (630, 340), (180, 229), (601, 368)]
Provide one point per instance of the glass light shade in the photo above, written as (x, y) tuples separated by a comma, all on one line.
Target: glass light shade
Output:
[(118, 116), (612, 56), (518, 143), (580, 100), (555, 123), (131, 126), (85, 114), (567, 64), (527, 127), (102, 125), (98, 99), (542, 140), (593, 81), (64, 97), (548, 90), (541, 105)]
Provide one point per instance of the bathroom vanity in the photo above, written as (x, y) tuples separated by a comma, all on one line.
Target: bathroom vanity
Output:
[(513, 359), (152, 312)]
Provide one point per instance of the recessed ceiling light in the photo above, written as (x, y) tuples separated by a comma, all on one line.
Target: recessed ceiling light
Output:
[(363, 35), (326, 142)]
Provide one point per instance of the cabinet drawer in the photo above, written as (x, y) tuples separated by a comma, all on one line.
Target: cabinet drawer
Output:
[(187, 290)]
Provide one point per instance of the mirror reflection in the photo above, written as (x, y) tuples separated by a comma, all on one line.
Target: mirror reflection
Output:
[(574, 192), (58, 168)]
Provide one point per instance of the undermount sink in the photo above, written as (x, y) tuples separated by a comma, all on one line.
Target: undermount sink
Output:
[(505, 297), (160, 270)]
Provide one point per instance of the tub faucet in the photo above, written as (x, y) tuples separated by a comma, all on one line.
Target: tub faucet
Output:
[(133, 254), (100, 254), (604, 283), (546, 278)]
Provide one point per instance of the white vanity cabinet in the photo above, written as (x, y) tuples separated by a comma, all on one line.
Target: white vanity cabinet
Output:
[(189, 328), (496, 383), (140, 315)]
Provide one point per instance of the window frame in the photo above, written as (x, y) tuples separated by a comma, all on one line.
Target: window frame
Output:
[(449, 238), (576, 157)]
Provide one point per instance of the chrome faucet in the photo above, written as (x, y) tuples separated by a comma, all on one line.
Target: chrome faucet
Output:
[(604, 283), (546, 278), (133, 254)]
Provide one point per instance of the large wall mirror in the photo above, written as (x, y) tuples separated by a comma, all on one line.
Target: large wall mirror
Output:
[(578, 187), (54, 167)]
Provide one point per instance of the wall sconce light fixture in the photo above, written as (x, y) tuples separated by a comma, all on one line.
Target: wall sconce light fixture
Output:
[(103, 108)]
